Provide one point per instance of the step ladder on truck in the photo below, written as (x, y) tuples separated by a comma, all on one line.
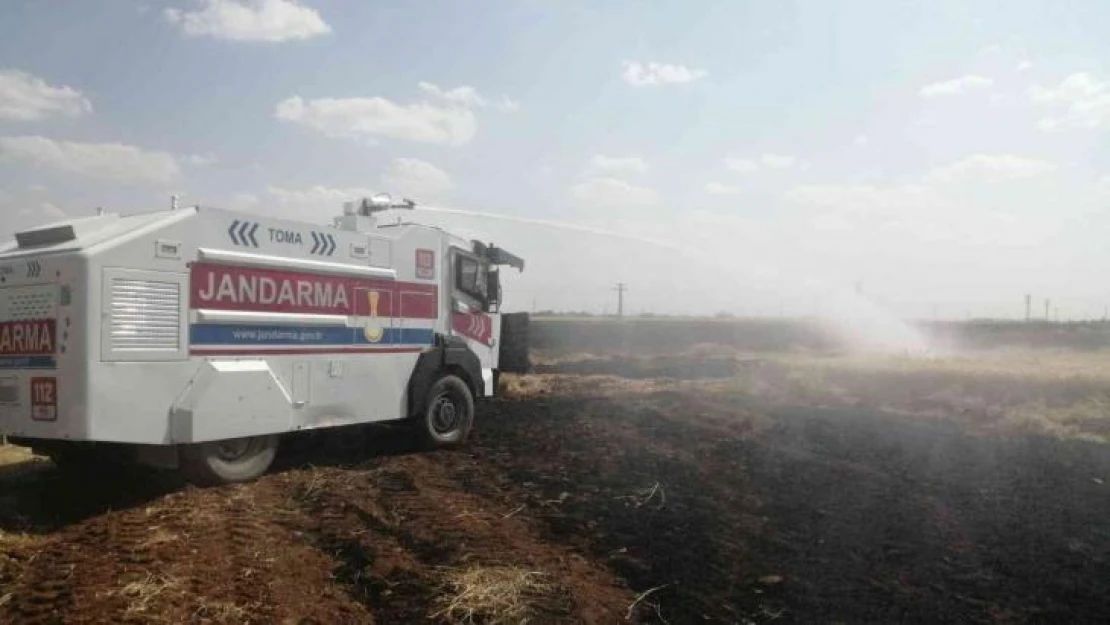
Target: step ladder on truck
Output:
[(194, 338)]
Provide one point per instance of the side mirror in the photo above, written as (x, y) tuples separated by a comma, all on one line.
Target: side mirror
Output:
[(493, 290)]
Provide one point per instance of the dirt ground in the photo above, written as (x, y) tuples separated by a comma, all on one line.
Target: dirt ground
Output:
[(670, 494)]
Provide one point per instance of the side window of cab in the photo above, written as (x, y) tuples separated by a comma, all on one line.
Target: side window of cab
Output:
[(470, 277)]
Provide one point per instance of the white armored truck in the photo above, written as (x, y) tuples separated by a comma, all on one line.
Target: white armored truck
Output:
[(194, 338)]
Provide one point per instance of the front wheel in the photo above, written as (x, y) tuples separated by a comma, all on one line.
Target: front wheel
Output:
[(227, 461), (448, 414)]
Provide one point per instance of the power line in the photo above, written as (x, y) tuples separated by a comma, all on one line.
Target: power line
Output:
[(620, 289)]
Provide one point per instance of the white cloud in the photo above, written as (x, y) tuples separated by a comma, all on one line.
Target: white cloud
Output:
[(22, 212), (47, 212), (769, 161), (25, 98), (913, 221), (651, 74), (742, 165), (861, 140), (933, 209), (1023, 66), (200, 160), (1080, 101), (777, 161), (415, 178), (242, 201), (604, 192), (1074, 88), (865, 199), (718, 188), (990, 168), (468, 96), (507, 105), (956, 86), (464, 95), (109, 161), (250, 20), (319, 196), (377, 117), (618, 164), (403, 177)]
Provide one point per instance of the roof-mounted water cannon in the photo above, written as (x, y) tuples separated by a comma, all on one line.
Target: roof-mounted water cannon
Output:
[(359, 215), (381, 202)]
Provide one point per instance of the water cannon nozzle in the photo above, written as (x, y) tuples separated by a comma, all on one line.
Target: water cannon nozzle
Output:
[(382, 202)]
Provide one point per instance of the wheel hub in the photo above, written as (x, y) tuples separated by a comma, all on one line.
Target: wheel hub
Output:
[(445, 416), (233, 449)]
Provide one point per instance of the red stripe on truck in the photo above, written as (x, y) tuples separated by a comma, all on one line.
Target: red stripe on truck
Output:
[(473, 325), (220, 287)]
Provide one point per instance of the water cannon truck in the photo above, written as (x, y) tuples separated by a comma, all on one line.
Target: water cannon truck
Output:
[(194, 338)]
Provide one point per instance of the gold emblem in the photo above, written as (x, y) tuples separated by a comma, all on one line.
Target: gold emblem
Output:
[(373, 330)]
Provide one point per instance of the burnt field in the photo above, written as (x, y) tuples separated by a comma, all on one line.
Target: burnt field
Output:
[(674, 334), (693, 485)]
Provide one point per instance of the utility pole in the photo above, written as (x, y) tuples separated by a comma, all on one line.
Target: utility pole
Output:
[(1047, 304), (620, 289), (1028, 307)]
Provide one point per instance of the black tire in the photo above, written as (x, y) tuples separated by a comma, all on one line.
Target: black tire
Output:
[(447, 415), (228, 461)]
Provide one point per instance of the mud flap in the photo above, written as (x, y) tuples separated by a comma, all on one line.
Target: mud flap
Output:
[(513, 347)]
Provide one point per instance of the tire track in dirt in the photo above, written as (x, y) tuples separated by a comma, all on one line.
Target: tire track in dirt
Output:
[(63, 582), (44, 592), (397, 530), (194, 556), (245, 565), (238, 542), (463, 529)]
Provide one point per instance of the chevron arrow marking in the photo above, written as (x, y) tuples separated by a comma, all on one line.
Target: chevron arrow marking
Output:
[(231, 232)]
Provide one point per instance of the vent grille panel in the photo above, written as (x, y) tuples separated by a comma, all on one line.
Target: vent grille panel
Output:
[(145, 315), (28, 303)]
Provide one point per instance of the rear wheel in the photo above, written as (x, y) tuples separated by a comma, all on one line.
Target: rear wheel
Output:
[(227, 461), (448, 414)]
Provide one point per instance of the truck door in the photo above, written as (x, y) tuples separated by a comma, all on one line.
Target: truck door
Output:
[(470, 316)]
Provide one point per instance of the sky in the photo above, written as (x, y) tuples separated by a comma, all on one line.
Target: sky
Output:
[(761, 157)]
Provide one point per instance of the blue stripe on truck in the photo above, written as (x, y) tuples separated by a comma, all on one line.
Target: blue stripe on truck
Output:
[(28, 362), (307, 336)]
